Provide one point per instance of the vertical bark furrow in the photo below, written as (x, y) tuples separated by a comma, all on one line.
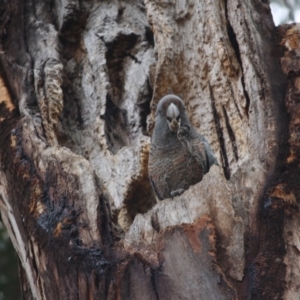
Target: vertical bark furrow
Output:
[(223, 153), (235, 46), (231, 135), (154, 283)]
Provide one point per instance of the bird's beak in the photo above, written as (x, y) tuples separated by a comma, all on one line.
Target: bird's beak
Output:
[(174, 125)]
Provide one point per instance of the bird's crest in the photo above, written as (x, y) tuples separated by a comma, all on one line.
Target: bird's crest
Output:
[(172, 111)]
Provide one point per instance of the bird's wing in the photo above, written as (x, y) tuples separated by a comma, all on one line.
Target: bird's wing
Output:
[(199, 153), (203, 153), (210, 156), (155, 189)]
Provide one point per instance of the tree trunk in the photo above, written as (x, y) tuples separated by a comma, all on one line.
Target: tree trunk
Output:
[(80, 81)]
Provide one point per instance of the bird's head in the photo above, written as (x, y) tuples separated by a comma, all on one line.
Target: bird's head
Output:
[(173, 117), (170, 109)]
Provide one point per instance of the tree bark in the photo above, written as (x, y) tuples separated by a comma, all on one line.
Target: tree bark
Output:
[(80, 81)]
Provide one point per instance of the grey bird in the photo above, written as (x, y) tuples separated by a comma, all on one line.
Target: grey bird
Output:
[(179, 155)]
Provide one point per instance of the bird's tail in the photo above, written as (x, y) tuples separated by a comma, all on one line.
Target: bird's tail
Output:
[(211, 159)]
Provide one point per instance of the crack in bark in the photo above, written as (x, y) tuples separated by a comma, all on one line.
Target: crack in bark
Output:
[(33, 260), (154, 284), (231, 135), (223, 153), (143, 104), (234, 101), (235, 46), (104, 214), (149, 36)]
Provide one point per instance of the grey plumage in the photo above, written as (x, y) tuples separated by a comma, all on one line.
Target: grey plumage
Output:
[(179, 155)]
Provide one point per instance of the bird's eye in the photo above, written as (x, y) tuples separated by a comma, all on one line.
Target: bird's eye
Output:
[(178, 118), (169, 119)]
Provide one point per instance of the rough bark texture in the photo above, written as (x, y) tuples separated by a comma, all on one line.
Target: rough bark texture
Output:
[(80, 81), (287, 190)]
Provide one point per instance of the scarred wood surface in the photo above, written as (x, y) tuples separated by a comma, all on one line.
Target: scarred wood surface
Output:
[(84, 79)]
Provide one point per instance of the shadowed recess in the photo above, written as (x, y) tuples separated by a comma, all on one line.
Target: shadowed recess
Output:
[(143, 103), (116, 121), (74, 22), (116, 53), (139, 198), (116, 126)]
